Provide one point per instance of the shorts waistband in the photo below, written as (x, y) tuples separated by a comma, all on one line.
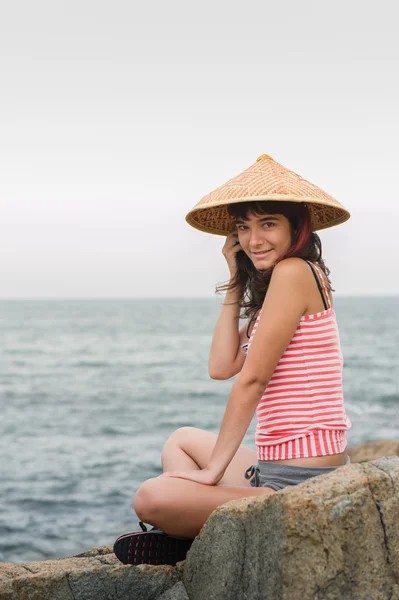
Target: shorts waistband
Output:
[(292, 474)]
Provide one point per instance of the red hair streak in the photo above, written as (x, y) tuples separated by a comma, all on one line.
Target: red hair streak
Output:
[(305, 231)]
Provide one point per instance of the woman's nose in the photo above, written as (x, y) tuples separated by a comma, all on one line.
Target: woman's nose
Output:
[(255, 238)]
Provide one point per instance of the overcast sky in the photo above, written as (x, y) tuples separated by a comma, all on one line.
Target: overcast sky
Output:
[(117, 117)]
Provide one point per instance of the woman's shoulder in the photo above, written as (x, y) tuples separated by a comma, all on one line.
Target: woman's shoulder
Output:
[(301, 274), (295, 273), (292, 267), (290, 279)]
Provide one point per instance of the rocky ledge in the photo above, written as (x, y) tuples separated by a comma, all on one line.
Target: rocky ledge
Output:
[(335, 537)]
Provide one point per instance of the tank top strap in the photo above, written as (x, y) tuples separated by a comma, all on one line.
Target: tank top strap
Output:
[(320, 284)]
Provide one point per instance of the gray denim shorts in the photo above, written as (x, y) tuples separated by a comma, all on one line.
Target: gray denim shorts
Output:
[(278, 476)]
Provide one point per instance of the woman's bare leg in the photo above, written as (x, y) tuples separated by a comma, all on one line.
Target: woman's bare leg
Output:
[(190, 448), (180, 507)]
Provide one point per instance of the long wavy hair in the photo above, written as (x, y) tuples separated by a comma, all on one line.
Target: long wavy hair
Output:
[(251, 284)]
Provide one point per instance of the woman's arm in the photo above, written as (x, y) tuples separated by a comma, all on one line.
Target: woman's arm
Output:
[(226, 357), (284, 305)]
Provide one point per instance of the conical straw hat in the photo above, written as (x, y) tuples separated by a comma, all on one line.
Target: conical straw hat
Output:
[(265, 180)]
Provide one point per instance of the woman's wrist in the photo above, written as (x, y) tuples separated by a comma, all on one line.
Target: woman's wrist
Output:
[(215, 473), (231, 298), (233, 274)]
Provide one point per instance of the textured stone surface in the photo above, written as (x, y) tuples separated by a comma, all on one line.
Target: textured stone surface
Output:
[(177, 592), (373, 450), (239, 552), (101, 577), (97, 551), (332, 538), (383, 476)]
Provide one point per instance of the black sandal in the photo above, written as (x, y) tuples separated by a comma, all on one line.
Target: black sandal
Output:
[(152, 547)]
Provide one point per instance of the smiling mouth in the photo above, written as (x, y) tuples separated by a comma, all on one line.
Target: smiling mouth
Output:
[(261, 254)]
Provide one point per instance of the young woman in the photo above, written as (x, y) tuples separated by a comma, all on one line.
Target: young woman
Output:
[(287, 356)]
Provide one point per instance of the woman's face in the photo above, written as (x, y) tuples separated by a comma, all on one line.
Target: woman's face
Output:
[(264, 238)]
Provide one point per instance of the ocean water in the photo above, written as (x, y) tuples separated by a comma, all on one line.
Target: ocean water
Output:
[(91, 389)]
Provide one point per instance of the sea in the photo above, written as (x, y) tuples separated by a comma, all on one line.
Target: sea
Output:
[(90, 390)]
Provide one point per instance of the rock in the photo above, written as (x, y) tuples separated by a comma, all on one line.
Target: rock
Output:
[(333, 537), (373, 450), (177, 592), (96, 551), (84, 578)]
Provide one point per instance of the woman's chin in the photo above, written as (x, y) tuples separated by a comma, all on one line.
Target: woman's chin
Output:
[(263, 264)]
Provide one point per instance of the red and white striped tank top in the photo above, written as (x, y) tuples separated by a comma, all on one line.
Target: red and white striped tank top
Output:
[(301, 412)]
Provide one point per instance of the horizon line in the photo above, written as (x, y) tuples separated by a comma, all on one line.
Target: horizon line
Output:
[(210, 297)]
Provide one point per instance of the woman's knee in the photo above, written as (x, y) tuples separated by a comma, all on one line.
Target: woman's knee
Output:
[(147, 499), (178, 437)]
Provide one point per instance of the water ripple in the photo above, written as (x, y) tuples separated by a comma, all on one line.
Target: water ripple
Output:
[(91, 390)]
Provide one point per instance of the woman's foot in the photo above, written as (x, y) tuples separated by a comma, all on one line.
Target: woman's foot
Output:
[(152, 547)]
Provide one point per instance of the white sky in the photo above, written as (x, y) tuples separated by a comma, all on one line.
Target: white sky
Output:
[(117, 117)]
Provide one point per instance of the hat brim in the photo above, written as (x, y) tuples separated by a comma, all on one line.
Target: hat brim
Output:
[(215, 219)]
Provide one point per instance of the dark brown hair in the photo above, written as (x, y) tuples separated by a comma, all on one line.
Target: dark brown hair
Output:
[(251, 284)]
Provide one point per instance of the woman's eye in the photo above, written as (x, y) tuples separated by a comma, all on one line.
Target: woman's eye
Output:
[(241, 227), (268, 224)]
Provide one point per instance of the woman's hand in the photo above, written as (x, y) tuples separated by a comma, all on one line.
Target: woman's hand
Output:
[(204, 476), (230, 249)]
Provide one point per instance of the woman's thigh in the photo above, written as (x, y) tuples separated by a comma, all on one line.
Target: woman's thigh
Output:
[(180, 507), (199, 444)]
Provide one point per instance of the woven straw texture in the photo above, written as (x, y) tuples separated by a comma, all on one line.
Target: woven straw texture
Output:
[(265, 180)]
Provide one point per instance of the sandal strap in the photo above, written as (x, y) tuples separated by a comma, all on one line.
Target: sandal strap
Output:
[(143, 527)]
